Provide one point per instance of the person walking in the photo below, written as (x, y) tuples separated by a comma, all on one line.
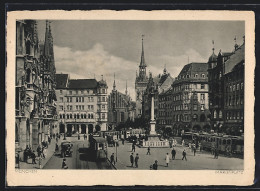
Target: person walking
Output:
[(40, 162), (148, 150), (64, 165), (194, 149), (78, 136), (184, 155), (33, 158), (216, 154), (112, 159), (167, 159), (173, 153), (136, 160), (155, 165), (133, 147), (132, 160), (39, 150)]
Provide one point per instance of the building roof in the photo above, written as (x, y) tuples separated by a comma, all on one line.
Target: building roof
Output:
[(236, 58), (213, 57), (61, 80), (194, 67), (82, 84)]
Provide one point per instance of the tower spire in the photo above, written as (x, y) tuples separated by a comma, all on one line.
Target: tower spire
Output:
[(46, 43), (114, 85), (142, 63)]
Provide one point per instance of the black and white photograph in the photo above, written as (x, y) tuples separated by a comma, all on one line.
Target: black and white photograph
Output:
[(130, 95)]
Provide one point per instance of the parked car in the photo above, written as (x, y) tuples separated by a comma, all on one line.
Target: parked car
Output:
[(66, 149)]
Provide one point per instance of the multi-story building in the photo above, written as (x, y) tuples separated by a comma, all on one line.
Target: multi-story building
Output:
[(81, 105), (234, 69), (216, 88), (36, 117), (140, 83), (120, 107), (190, 99)]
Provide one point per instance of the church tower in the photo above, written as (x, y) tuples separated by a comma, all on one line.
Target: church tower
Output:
[(140, 82)]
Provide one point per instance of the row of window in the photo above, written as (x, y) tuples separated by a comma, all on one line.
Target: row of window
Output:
[(235, 100), (231, 115), (77, 99), (188, 76), (77, 107), (187, 107), (104, 91), (235, 87), (189, 87), (81, 116)]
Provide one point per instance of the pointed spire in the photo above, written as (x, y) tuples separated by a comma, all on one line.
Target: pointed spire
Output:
[(142, 63), (126, 88), (114, 85), (46, 42)]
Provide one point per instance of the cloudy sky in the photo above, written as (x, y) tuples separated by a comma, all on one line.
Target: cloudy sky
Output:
[(87, 48)]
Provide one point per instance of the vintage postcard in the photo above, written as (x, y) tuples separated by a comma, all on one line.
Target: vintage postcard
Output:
[(130, 98)]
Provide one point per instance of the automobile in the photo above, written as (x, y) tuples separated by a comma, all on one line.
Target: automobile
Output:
[(66, 149)]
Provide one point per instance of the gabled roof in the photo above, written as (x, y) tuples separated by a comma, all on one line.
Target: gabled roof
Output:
[(236, 58), (83, 84), (61, 81)]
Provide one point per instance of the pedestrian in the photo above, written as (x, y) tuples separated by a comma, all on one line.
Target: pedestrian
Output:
[(173, 153), (183, 143), (64, 165), (216, 154), (84, 136), (184, 155), (194, 150), (155, 165), (123, 141), (112, 159), (33, 158), (148, 151), (133, 147), (79, 137), (49, 139), (44, 152), (39, 150), (175, 142), (136, 160), (57, 139), (40, 162), (132, 160), (199, 146), (56, 147), (167, 159), (53, 135)]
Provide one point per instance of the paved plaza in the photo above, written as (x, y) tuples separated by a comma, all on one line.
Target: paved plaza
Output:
[(202, 161)]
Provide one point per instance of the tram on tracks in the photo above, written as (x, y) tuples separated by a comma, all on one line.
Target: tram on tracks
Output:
[(98, 146), (224, 143)]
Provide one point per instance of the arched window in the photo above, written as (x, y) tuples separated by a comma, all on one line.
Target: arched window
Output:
[(215, 114), (70, 116), (220, 114)]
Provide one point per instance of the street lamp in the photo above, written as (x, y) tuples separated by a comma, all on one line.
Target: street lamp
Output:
[(116, 151)]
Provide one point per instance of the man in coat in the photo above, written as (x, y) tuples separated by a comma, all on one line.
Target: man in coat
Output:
[(132, 160), (136, 160), (173, 153), (184, 155)]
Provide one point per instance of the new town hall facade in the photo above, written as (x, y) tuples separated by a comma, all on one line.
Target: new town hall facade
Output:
[(35, 106)]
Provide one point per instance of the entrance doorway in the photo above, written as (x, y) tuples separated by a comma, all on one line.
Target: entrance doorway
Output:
[(83, 129), (62, 128), (90, 128)]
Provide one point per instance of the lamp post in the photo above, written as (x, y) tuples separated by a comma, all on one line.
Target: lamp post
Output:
[(116, 151)]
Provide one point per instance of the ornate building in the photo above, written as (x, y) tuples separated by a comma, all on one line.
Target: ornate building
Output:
[(234, 71), (82, 104), (140, 83), (36, 116), (190, 99), (120, 107), (216, 88)]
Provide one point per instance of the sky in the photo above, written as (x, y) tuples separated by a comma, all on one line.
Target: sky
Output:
[(85, 49)]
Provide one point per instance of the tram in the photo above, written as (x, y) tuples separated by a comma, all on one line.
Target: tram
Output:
[(98, 146), (189, 137)]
